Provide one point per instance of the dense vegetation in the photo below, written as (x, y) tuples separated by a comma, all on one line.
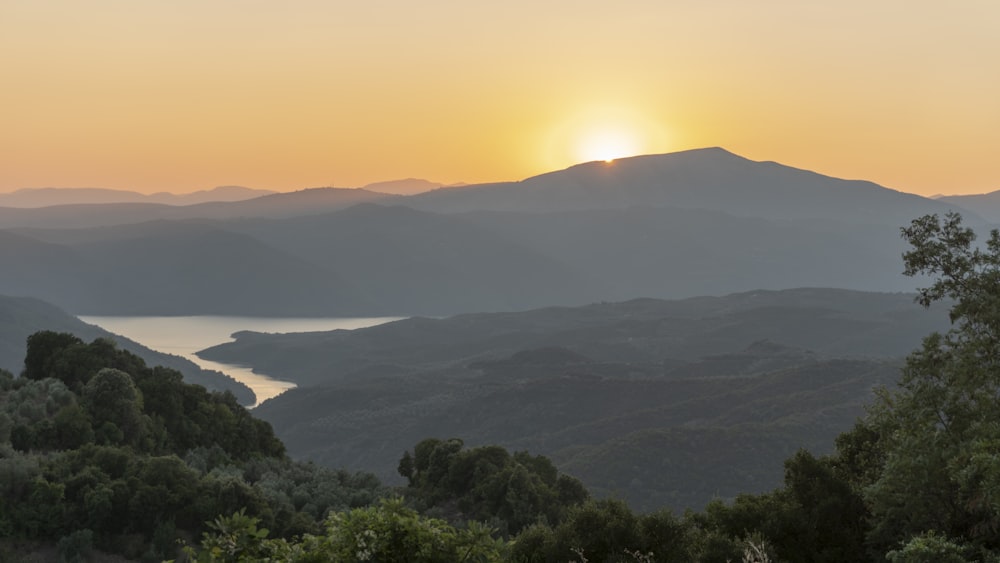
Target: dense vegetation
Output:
[(488, 484), (99, 449)]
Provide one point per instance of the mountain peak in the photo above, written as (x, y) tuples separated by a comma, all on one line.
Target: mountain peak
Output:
[(703, 154), (710, 178)]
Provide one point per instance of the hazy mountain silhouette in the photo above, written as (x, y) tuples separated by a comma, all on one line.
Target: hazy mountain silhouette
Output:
[(674, 252), (277, 205), (691, 223), (412, 262), (408, 186), (20, 317), (45, 197), (712, 178), (173, 269), (986, 205)]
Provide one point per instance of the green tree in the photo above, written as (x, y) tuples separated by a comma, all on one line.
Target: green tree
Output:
[(489, 484), (43, 353), (406, 467), (940, 428), (115, 407), (932, 547), (387, 533)]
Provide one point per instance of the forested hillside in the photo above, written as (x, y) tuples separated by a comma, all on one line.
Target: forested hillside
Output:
[(660, 403), (103, 451)]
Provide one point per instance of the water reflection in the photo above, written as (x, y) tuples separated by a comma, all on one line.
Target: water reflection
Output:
[(183, 336)]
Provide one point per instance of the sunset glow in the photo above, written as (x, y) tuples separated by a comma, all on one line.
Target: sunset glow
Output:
[(607, 146), (186, 95)]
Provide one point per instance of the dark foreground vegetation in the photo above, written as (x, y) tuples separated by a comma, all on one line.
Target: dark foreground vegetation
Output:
[(100, 452)]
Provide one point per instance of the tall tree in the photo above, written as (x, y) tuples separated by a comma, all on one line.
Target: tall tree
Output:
[(940, 428)]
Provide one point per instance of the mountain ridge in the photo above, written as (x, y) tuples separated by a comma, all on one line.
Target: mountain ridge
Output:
[(44, 197), (709, 178), (666, 226), (987, 205)]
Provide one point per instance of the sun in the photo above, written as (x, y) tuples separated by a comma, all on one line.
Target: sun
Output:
[(607, 144), (602, 132)]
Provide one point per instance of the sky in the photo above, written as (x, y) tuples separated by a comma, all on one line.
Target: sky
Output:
[(183, 95)]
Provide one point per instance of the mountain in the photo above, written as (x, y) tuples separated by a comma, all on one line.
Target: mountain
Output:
[(671, 252), (709, 179), (173, 268), (712, 179), (367, 260), (662, 226), (276, 205), (986, 205), (658, 402), (21, 317), (412, 262), (216, 194), (46, 197), (408, 186)]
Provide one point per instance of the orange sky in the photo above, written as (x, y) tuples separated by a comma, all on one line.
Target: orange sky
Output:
[(183, 95)]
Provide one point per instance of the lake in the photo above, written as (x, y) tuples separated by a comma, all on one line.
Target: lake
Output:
[(183, 336)]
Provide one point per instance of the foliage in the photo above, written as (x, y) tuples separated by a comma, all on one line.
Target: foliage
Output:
[(387, 533), (488, 483), (137, 458), (939, 428), (933, 547), (128, 403)]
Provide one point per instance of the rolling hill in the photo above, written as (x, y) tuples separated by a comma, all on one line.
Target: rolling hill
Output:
[(628, 396)]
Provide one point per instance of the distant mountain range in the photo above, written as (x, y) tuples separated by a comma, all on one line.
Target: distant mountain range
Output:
[(22, 317), (675, 225), (408, 186), (663, 403), (712, 179), (986, 206), (276, 205), (45, 197)]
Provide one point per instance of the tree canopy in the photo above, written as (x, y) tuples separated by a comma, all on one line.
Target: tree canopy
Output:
[(940, 427)]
